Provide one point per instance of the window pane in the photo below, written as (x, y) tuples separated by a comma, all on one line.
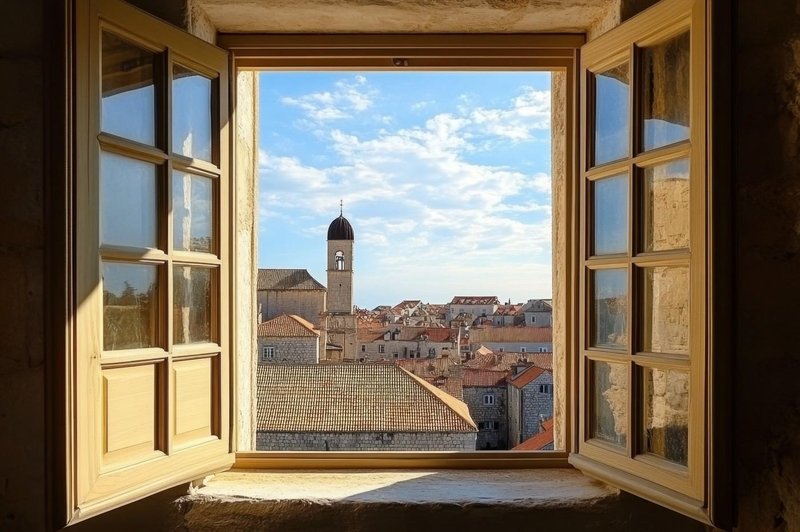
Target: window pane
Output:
[(128, 107), (191, 311), (191, 114), (193, 212), (612, 109), (128, 198), (609, 402), (666, 206), (610, 215), (610, 308), (130, 305), (665, 72), (666, 309), (666, 414)]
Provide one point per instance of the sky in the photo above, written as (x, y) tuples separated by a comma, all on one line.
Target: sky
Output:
[(445, 178)]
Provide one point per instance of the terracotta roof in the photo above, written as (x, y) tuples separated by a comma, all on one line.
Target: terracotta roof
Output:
[(525, 378), (408, 303), (486, 359), (538, 441), (408, 333), (286, 325), (354, 398), (444, 373), (286, 279), (511, 334), (475, 300), (484, 377), (506, 310)]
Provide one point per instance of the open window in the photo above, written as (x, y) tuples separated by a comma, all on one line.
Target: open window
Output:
[(148, 382)]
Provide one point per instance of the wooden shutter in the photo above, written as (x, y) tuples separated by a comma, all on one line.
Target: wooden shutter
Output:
[(645, 296), (148, 378)]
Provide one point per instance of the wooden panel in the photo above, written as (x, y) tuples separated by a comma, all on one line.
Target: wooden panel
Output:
[(194, 399), (129, 405)]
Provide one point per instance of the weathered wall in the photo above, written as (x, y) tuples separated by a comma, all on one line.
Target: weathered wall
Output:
[(22, 346), (536, 405), (766, 181), (473, 396), (365, 441), (308, 304), (300, 350)]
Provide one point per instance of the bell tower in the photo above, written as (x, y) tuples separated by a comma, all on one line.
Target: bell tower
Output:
[(340, 322)]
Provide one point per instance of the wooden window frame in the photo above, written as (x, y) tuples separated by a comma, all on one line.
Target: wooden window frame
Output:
[(442, 52)]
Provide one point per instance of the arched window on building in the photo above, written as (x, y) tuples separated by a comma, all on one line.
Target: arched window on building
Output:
[(339, 260)]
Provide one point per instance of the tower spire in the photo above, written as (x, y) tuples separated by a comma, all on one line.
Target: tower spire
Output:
[(341, 208)]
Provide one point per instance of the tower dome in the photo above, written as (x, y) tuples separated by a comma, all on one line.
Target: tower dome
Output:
[(340, 229)]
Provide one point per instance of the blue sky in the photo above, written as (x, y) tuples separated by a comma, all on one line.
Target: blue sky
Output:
[(445, 178)]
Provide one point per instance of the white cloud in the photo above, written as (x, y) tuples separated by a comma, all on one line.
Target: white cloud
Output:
[(344, 100)]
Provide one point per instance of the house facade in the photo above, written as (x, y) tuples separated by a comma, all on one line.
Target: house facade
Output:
[(530, 402), (289, 291), (486, 395), (287, 339)]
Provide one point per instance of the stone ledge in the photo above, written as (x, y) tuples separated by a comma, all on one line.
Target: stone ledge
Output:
[(545, 499)]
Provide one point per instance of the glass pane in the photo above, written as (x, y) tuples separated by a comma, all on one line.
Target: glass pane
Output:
[(128, 107), (609, 402), (665, 72), (130, 305), (610, 308), (666, 206), (191, 113), (128, 199), (666, 414), (191, 311), (610, 215), (612, 109), (666, 309), (193, 212)]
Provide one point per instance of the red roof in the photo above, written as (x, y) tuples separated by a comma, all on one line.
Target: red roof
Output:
[(524, 378), (538, 441), (286, 326), (475, 300), (484, 377)]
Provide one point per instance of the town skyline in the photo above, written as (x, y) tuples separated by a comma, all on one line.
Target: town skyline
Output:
[(445, 178)]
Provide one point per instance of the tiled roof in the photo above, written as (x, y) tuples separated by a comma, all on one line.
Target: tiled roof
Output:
[(511, 334), (506, 310), (354, 398), (484, 377), (475, 300), (485, 359), (409, 334), (408, 303), (444, 373), (286, 325), (286, 279), (538, 441), (525, 378)]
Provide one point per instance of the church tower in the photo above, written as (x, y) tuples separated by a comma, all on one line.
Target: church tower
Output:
[(340, 322)]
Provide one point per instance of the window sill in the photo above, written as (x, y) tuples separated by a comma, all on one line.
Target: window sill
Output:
[(553, 499)]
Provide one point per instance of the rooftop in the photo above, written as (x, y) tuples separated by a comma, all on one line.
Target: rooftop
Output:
[(286, 325), (286, 279), (538, 441), (526, 377), (475, 300), (354, 398), (484, 377)]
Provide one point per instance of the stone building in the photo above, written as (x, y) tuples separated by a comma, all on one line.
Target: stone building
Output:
[(397, 342), (357, 407), (287, 339), (537, 313), (340, 324), (515, 339), (289, 291), (486, 394), (477, 306), (530, 402)]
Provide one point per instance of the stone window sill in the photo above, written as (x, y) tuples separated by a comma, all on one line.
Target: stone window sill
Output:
[(549, 499)]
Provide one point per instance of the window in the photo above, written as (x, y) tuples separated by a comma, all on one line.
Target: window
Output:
[(432, 351), (151, 355), (339, 260), (381, 348), (268, 353), (546, 388), (363, 348), (533, 319), (543, 350), (489, 425), (488, 399), (522, 349)]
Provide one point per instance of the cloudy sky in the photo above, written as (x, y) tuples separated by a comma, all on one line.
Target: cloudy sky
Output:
[(445, 178)]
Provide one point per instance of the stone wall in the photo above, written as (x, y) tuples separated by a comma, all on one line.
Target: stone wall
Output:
[(365, 441), (308, 304), (481, 413), (516, 347), (299, 350), (540, 319), (536, 405)]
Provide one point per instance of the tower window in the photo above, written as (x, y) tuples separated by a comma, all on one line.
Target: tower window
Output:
[(339, 261)]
